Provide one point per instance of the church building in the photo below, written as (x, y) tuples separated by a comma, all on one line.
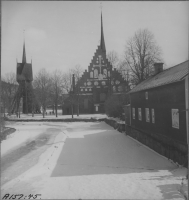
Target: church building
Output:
[(96, 84)]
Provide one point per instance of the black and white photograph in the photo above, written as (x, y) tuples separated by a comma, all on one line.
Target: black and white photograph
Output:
[(94, 100)]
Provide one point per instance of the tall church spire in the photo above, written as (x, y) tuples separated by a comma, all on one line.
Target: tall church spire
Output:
[(24, 54), (102, 42)]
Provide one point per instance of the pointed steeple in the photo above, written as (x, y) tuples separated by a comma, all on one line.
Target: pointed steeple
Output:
[(102, 42), (24, 54)]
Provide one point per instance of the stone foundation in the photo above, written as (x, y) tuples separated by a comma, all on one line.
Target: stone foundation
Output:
[(167, 147)]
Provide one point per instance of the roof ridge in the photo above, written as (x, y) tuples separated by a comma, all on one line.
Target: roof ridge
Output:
[(175, 65)]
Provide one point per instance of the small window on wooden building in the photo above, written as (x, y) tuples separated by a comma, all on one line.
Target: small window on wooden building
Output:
[(146, 95), (175, 118), (153, 115), (147, 113), (139, 114), (133, 112)]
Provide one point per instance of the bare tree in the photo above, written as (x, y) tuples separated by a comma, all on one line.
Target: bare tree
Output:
[(77, 71), (141, 52), (42, 84), (125, 71), (57, 87), (9, 88), (113, 58)]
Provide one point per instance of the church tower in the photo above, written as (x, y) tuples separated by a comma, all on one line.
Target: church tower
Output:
[(24, 94)]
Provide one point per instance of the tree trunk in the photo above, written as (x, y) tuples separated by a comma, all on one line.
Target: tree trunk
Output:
[(72, 111), (78, 109), (43, 112), (56, 108), (32, 109)]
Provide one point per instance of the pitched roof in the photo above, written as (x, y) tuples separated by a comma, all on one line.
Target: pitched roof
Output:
[(170, 75)]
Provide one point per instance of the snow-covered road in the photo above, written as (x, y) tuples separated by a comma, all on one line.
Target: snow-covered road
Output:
[(84, 160)]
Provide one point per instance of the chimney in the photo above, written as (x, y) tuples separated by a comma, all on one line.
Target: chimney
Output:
[(158, 67)]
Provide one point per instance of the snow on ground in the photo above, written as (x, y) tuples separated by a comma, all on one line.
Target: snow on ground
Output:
[(24, 133), (93, 161)]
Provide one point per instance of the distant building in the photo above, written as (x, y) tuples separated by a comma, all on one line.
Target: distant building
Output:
[(157, 113), (97, 83)]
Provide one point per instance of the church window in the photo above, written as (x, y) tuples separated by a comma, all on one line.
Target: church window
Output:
[(102, 97), (114, 88), (81, 90), (112, 82), (88, 83), (96, 73), (91, 74), (96, 108), (95, 83), (117, 82), (120, 88), (105, 73), (90, 89), (103, 83), (86, 89), (108, 73)]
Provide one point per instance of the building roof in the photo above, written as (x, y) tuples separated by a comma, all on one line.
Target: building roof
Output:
[(170, 75)]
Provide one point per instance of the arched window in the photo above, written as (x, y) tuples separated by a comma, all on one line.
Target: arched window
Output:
[(105, 73), (91, 74), (120, 88), (96, 73), (114, 88)]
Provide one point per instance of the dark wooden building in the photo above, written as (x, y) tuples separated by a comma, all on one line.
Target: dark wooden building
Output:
[(158, 116), (24, 94), (95, 85)]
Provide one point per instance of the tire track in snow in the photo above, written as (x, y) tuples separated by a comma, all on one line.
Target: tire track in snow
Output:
[(26, 155)]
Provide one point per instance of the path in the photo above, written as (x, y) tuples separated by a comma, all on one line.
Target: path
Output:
[(92, 160)]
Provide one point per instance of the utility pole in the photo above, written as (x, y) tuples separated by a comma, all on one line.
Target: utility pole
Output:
[(187, 118), (26, 103), (32, 104)]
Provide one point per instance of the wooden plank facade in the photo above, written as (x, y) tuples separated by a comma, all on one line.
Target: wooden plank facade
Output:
[(158, 116)]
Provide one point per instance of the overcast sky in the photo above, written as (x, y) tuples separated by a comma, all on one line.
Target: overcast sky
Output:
[(60, 35)]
